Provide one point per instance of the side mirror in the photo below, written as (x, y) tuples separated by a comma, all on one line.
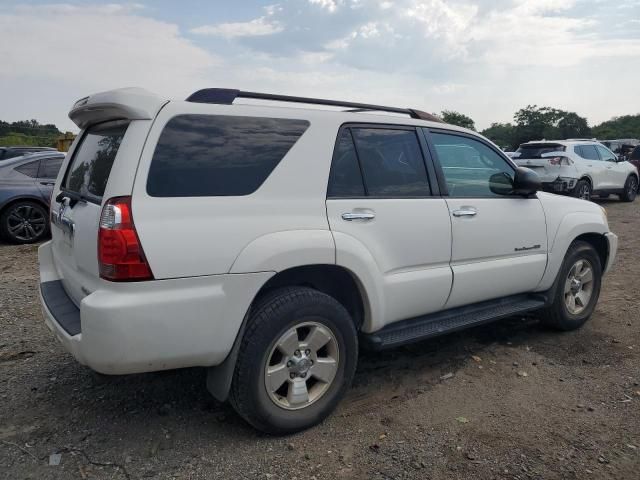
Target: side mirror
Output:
[(526, 182)]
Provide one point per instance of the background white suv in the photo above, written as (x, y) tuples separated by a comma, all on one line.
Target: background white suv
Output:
[(268, 242), (581, 168)]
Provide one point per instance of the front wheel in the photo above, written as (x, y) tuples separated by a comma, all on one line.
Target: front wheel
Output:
[(296, 361), (577, 288), (630, 189)]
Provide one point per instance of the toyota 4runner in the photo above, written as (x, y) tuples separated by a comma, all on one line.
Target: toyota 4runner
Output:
[(268, 242)]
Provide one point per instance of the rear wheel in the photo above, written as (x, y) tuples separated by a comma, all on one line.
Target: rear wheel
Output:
[(296, 361), (582, 190), (24, 222), (630, 189), (577, 290)]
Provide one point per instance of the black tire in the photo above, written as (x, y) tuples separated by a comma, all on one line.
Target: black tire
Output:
[(275, 314), (630, 189), (582, 190), (35, 229), (557, 315)]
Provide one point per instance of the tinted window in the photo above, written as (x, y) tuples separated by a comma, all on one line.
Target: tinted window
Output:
[(216, 155), (587, 152), (30, 169), (345, 179), (392, 162), (537, 150), (635, 155), (468, 165), (606, 154), (49, 167), (93, 159)]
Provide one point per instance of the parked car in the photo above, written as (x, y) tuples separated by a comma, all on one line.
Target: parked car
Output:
[(581, 168), (26, 184), (18, 151), (268, 242), (621, 147)]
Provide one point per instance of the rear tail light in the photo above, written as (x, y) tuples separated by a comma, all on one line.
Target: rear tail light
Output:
[(560, 161), (120, 253)]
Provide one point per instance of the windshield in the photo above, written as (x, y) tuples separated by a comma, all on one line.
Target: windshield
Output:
[(537, 150)]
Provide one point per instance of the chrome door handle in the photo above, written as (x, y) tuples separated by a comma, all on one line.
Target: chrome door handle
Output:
[(350, 216), (464, 212)]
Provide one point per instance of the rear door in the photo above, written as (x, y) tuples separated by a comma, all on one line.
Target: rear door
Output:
[(47, 173), (499, 242), (381, 198), (77, 206), (593, 165)]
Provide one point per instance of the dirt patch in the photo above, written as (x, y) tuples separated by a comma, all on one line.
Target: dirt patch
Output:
[(506, 400)]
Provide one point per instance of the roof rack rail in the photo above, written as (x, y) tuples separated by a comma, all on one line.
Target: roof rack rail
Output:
[(226, 96)]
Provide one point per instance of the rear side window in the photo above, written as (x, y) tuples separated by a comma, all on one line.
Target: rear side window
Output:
[(29, 169), (345, 179), (392, 162), (588, 152), (217, 155), (49, 167), (92, 161), (537, 150)]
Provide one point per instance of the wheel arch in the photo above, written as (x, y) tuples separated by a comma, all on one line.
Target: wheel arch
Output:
[(333, 280)]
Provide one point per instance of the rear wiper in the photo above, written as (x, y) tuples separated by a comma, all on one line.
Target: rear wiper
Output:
[(72, 196)]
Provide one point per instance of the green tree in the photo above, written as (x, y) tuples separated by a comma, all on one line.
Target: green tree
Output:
[(626, 126), (536, 123), (457, 118), (502, 134)]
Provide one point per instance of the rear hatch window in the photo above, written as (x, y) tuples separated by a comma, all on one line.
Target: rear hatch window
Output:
[(89, 170), (537, 150)]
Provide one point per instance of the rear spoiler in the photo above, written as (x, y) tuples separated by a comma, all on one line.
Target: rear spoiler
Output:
[(120, 104)]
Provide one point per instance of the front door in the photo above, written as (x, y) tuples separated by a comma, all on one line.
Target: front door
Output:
[(616, 173), (381, 209), (499, 242)]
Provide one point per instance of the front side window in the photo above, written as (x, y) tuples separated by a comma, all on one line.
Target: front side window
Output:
[(392, 162), (588, 152), (605, 154), (92, 161), (468, 165), (218, 155), (345, 179)]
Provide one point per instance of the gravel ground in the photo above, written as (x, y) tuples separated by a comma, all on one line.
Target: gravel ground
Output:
[(504, 401)]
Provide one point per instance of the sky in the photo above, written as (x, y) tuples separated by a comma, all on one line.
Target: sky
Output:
[(484, 58)]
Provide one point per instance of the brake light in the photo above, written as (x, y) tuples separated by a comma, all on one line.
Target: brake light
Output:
[(560, 161), (120, 254)]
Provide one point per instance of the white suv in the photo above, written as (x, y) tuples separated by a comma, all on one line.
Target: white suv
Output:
[(268, 242), (581, 168)]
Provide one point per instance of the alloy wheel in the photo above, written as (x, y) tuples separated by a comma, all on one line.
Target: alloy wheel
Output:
[(26, 223), (301, 365), (578, 287)]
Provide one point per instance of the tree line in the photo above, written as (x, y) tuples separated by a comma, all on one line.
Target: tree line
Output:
[(28, 132), (537, 123)]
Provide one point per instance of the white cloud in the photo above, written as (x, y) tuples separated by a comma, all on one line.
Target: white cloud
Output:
[(81, 50), (330, 5), (254, 28)]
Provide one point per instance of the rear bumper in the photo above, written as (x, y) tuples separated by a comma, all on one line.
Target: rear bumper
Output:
[(147, 326), (560, 185), (612, 242)]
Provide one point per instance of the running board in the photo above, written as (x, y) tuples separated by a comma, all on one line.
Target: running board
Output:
[(439, 323)]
